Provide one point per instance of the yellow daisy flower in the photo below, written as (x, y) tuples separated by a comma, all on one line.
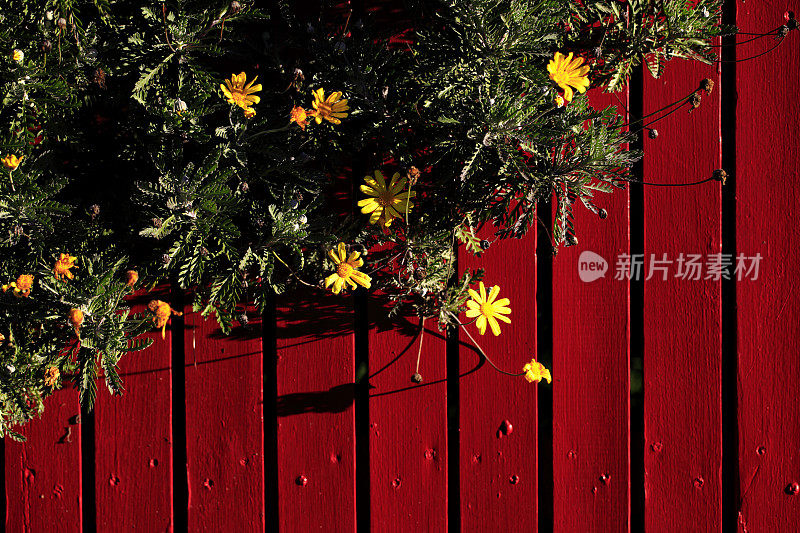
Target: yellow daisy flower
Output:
[(11, 162), (62, 267), (487, 309), (240, 94), (568, 74), (17, 56), (22, 287), (331, 108), (385, 203), (536, 371), (559, 101), (300, 117), (346, 270)]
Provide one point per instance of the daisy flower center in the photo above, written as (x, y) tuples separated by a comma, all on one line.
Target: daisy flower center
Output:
[(238, 97), (385, 199), (344, 270), (560, 76), (324, 109), (486, 309)]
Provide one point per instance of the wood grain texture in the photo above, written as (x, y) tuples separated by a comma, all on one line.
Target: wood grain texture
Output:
[(766, 177), (499, 481), (133, 441), (316, 422), (224, 426), (407, 424), (682, 317), (43, 475), (591, 372)]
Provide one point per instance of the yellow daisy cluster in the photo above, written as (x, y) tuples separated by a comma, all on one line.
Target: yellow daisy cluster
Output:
[(240, 93), (385, 202), (346, 270), (331, 108)]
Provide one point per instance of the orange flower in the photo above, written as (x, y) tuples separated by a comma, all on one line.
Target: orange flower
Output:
[(299, 116), (22, 287), (51, 376), (249, 112), (62, 267), (76, 319), (11, 162), (131, 277), (161, 311)]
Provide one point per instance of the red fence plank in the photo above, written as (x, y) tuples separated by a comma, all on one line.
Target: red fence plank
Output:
[(316, 422), (133, 441), (767, 163), (43, 475), (682, 317), (407, 425), (499, 478), (591, 369), (224, 426)]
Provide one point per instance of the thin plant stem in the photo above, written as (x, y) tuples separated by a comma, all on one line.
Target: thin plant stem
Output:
[(475, 343), (293, 272), (421, 336)]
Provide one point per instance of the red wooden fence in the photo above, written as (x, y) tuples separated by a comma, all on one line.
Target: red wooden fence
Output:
[(673, 406)]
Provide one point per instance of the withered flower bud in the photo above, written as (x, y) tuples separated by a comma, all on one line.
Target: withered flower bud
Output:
[(720, 175), (707, 85), (413, 175), (695, 101)]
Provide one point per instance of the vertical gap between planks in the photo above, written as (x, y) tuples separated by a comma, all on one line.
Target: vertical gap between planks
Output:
[(730, 427), (453, 417), (361, 376), (361, 341), (269, 360), (3, 498), (180, 484), (544, 354), (635, 106), (88, 500)]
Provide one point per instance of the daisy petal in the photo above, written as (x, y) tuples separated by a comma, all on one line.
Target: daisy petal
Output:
[(481, 324), (494, 325)]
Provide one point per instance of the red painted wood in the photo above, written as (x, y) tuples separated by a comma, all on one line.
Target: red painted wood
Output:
[(224, 426), (591, 383), (407, 424), (43, 475), (682, 317), (316, 422), (133, 440), (767, 163), (499, 478)]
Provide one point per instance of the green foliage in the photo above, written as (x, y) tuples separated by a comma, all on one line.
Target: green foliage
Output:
[(134, 160)]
